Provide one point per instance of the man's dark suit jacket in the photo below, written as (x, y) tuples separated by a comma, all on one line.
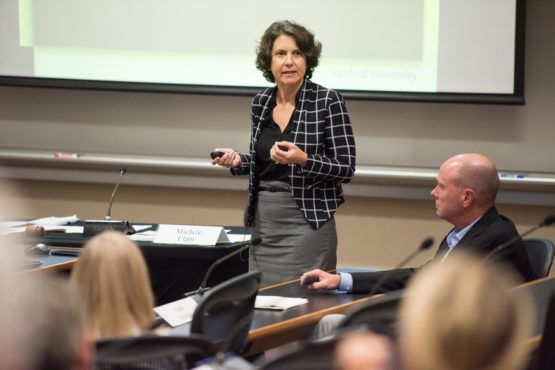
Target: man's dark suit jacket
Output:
[(488, 233)]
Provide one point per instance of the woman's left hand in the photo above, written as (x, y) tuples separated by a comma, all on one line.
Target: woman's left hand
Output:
[(285, 152)]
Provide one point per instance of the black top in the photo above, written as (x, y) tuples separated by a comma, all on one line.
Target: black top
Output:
[(269, 170)]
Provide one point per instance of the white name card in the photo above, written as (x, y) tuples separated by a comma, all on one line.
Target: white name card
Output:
[(178, 312), (190, 235)]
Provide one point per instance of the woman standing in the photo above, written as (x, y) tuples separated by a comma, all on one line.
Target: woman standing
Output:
[(302, 148)]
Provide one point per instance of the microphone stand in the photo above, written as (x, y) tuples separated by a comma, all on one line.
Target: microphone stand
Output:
[(95, 227), (202, 288), (426, 244), (547, 221), (122, 172)]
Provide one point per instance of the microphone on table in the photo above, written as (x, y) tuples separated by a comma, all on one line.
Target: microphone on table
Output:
[(94, 227), (547, 221), (241, 246), (122, 172), (426, 244)]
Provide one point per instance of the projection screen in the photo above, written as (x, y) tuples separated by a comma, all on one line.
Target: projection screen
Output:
[(422, 50)]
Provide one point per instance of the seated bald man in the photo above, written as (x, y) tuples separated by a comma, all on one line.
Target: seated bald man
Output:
[(467, 185)]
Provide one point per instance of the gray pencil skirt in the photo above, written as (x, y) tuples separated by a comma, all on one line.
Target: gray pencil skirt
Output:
[(290, 246)]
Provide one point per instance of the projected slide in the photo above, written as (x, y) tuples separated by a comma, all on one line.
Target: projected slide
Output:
[(368, 45)]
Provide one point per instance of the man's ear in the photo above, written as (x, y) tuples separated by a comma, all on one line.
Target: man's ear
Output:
[(469, 197)]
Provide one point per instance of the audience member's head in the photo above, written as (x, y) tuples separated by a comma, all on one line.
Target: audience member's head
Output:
[(461, 316), (41, 324), (112, 279), (364, 350), (467, 185)]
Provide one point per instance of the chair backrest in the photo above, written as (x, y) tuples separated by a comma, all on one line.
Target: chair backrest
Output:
[(224, 314), (544, 357), (315, 355), (378, 314), (540, 254), (152, 352)]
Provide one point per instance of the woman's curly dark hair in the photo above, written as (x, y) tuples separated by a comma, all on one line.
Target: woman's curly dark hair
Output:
[(304, 38)]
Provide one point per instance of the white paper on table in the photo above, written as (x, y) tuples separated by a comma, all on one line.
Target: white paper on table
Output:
[(62, 229), (144, 236), (69, 229), (236, 238), (178, 312), (12, 224), (271, 302), (54, 221), (140, 228)]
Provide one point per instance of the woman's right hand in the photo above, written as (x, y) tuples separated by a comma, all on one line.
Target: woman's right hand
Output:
[(230, 159)]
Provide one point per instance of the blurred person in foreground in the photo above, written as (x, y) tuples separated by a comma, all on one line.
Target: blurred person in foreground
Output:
[(112, 280), (364, 350), (467, 185), (41, 324), (11, 208), (302, 148), (461, 315)]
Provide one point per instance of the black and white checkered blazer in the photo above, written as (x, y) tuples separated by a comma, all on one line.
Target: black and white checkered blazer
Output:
[(322, 129)]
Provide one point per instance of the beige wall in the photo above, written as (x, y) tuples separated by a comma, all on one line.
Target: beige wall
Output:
[(387, 133), (374, 232)]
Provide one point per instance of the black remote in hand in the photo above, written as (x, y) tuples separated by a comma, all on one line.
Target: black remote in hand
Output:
[(216, 154)]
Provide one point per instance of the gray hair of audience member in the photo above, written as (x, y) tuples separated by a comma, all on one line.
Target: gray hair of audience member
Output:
[(41, 325), (309, 47), (462, 315)]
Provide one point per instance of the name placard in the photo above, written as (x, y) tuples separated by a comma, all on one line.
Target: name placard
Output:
[(190, 235)]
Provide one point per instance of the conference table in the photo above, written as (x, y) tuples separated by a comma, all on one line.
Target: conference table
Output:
[(271, 329), (174, 268), (50, 263)]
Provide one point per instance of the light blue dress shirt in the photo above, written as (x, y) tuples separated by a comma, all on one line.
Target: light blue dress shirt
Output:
[(454, 237), (346, 283)]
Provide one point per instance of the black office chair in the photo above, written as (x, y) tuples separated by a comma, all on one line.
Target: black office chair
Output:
[(224, 314), (152, 352), (315, 355), (540, 254), (544, 357), (379, 314)]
